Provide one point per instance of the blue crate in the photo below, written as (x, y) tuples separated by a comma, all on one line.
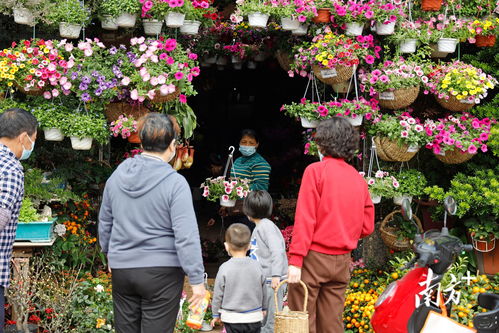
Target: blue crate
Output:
[(35, 231)]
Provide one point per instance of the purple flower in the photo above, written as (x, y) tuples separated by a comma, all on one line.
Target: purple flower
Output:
[(74, 76), (113, 50), (85, 97), (86, 80), (98, 92), (83, 86), (95, 74)]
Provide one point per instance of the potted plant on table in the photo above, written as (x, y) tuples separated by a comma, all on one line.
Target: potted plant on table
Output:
[(33, 226), (483, 231), (70, 15), (86, 127), (382, 185), (412, 184), (225, 191)]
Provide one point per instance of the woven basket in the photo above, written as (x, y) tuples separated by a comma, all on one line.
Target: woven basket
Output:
[(455, 156), (284, 60), (453, 104), (114, 110), (343, 73), (389, 234), (30, 92), (390, 151), (402, 98), (166, 98), (292, 321)]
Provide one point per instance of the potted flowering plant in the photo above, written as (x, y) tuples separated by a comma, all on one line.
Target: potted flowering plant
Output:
[(70, 16), (52, 119), (455, 139), (126, 127), (84, 128), (225, 191), (332, 57), (396, 83), (322, 11), (310, 113), (485, 31), (199, 13), (291, 13), (407, 36), (412, 184), (25, 12), (355, 110), (382, 185), (153, 14), (386, 16), (353, 15), (258, 12), (311, 148), (483, 231), (118, 13), (458, 86), (398, 138)]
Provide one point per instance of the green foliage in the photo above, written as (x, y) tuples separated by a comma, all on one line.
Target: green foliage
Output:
[(51, 115), (306, 109), (482, 227), (402, 129), (184, 114), (69, 11), (412, 182), (494, 139), (87, 125), (115, 8), (254, 6), (41, 189), (405, 229), (28, 213)]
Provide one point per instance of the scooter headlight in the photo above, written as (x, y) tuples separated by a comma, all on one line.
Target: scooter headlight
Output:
[(389, 291)]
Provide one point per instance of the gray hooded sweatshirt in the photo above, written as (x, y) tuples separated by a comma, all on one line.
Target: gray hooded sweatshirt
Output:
[(147, 219)]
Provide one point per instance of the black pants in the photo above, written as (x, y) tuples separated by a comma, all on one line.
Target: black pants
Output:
[(2, 308), (243, 328), (146, 300)]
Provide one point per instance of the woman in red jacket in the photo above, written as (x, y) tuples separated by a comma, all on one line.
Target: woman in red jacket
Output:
[(333, 212)]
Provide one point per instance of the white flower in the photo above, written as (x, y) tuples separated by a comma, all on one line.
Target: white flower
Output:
[(411, 121), (418, 128), (379, 174), (99, 288), (371, 181), (60, 230), (404, 123), (362, 173)]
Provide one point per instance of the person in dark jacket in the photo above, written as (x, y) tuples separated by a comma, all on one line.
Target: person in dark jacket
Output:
[(149, 232)]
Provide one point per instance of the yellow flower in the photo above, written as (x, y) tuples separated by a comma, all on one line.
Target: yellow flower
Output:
[(9, 84), (100, 322), (325, 62), (444, 86), (459, 96), (31, 71)]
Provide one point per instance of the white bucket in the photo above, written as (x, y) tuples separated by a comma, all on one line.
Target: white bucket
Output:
[(289, 24), (447, 45), (342, 87), (400, 198), (376, 199), (126, 20), (152, 27), (251, 65), (357, 121), (258, 20), (174, 20), (301, 30), (307, 123), (408, 46), (190, 27), (385, 29), (109, 23), (81, 144), (53, 134), (23, 16), (354, 29), (69, 30), (227, 203)]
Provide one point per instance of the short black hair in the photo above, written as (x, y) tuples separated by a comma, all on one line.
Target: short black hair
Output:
[(251, 133), (238, 237), (337, 137), (156, 132), (258, 205), (15, 121)]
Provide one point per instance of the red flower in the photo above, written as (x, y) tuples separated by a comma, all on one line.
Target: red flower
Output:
[(49, 310), (34, 318), (13, 44), (27, 43)]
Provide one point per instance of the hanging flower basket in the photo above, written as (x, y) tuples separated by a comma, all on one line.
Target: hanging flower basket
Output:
[(390, 151), (342, 87), (284, 60), (357, 121), (447, 45), (340, 73), (53, 134), (399, 98), (455, 156), (258, 20), (109, 23), (190, 27), (23, 16), (408, 45), (225, 202), (289, 24), (301, 30), (354, 29), (126, 20), (376, 199), (152, 27), (308, 123), (383, 29), (31, 91), (453, 104), (81, 144), (389, 234), (134, 138), (174, 20), (114, 110), (485, 41), (323, 16), (69, 30), (482, 245), (165, 98), (431, 5)]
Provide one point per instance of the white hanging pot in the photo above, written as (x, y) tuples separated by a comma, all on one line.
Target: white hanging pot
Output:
[(152, 27), (435, 53), (342, 87), (190, 27), (376, 199), (400, 198), (53, 134), (408, 46), (251, 65), (210, 60), (238, 66), (301, 30), (126, 20), (23, 16), (235, 59), (221, 61), (289, 24), (174, 20), (354, 29), (357, 121), (385, 29), (81, 144), (258, 20), (109, 23), (69, 30), (307, 123), (227, 203), (447, 45)]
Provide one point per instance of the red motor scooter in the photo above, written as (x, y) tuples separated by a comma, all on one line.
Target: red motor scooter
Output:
[(396, 310)]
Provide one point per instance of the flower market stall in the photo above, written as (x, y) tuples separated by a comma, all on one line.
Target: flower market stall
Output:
[(417, 79)]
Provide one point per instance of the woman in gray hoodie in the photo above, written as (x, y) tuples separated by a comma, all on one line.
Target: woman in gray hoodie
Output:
[(149, 232)]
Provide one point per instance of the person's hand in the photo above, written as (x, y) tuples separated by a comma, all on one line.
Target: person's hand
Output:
[(215, 321), (198, 293), (210, 223), (264, 313), (275, 282), (294, 274), (109, 269)]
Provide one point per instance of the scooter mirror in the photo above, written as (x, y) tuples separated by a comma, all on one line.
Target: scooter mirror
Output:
[(450, 205), (406, 210)]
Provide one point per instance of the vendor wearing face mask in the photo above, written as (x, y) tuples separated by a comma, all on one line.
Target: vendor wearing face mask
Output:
[(251, 165)]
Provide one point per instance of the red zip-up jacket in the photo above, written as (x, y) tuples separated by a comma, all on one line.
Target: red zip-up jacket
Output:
[(333, 212)]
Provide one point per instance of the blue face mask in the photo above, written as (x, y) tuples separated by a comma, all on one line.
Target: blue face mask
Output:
[(247, 150), (26, 153)]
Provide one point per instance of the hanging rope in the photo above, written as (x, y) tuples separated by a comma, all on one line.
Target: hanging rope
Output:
[(373, 158), (230, 161)]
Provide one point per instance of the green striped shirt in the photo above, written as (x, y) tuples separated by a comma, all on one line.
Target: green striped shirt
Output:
[(255, 168)]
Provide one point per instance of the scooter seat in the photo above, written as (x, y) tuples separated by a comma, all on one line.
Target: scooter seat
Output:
[(488, 301), (488, 322)]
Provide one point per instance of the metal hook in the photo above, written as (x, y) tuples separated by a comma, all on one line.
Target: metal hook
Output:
[(232, 150)]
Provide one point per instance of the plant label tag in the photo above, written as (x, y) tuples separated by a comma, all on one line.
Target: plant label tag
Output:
[(413, 149), (387, 96), (465, 101), (328, 73), (442, 153)]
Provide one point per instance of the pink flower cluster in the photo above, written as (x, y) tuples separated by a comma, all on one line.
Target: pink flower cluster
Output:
[(147, 5), (123, 126)]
